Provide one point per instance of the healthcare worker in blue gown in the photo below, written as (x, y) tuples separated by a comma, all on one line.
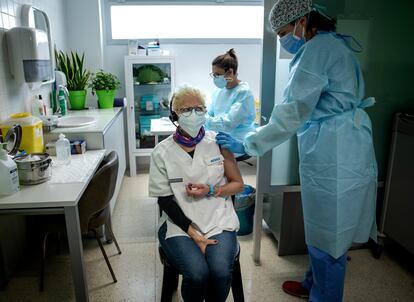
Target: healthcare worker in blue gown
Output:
[(231, 109), (323, 104)]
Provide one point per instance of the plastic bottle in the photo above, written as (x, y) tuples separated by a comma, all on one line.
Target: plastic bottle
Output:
[(63, 150), (37, 106), (9, 179), (62, 101), (44, 111)]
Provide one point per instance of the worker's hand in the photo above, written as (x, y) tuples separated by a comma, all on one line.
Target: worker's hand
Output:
[(226, 141), (197, 190)]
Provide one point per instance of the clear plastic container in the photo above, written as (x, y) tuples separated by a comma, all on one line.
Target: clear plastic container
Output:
[(63, 150), (38, 107)]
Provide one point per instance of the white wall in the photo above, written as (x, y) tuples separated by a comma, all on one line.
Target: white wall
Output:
[(14, 96), (85, 35)]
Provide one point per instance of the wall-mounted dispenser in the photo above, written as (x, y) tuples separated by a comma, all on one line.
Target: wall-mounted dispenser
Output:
[(29, 54), (30, 48)]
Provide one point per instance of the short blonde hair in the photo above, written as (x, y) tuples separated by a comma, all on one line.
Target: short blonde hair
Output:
[(182, 92)]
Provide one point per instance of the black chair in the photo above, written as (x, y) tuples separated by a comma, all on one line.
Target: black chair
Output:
[(171, 274), (94, 210), (243, 158)]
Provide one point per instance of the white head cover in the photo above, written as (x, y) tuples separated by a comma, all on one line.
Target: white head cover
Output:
[(286, 11)]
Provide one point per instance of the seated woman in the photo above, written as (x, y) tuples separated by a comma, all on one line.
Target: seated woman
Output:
[(193, 180), (231, 109)]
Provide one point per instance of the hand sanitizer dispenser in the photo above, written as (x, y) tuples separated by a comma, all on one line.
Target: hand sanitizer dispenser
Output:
[(29, 54)]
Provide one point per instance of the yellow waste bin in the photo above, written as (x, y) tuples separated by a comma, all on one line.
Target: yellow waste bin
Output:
[(32, 131)]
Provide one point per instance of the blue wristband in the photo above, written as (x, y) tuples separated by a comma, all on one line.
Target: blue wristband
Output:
[(211, 192)]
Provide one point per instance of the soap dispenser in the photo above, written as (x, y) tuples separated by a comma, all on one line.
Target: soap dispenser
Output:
[(9, 178), (62, 100)]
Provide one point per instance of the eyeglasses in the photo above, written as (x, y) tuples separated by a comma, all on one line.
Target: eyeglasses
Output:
[(216, 75), (199, 110)]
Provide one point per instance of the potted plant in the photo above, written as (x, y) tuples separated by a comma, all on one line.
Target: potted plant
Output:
[(105, 84), (76, 76)]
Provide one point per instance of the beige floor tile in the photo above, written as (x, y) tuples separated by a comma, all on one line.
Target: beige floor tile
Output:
[(134, 269), (134, 187), (135, 220), (383, 279)]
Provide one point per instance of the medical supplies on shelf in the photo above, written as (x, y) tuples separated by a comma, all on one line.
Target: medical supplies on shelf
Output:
[(149, 82), (145, 121), (149, 102)]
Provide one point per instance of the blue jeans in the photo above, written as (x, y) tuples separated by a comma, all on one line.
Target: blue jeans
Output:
[(325, 277), (205, 277)]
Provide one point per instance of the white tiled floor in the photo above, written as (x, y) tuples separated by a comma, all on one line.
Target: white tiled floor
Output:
[(139, 270)]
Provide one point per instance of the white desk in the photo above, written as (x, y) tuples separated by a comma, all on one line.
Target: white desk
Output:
[(161, 126), (59, 198)]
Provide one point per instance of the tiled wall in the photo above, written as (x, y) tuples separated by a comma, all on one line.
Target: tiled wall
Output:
[(8, 13), (15, 96)]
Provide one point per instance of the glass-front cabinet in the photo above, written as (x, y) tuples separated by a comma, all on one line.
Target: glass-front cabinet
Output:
[(149, 82)]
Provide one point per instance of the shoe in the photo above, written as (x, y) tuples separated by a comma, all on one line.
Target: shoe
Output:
[(295, 288)]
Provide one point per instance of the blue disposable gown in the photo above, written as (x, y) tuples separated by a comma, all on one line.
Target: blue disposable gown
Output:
[(323, 103), (232, 111)]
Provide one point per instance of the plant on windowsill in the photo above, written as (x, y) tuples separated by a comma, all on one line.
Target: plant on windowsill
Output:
[(77, 77), (105, 84)]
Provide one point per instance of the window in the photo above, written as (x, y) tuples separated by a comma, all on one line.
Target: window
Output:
[(185, 23)]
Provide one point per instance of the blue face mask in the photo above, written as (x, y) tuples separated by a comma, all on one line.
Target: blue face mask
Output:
[(220, 81), (291, 43)]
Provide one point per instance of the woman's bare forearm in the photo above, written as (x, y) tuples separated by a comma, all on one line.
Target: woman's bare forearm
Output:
[(229, 189), (233, 175), (192, 232)]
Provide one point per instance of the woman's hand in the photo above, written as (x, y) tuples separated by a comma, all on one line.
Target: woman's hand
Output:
[(200, 240), (197, 190), (202, 243)]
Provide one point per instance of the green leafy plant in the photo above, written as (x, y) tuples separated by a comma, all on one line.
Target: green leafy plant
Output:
[(149, 73), (72, 65), (104, 81)]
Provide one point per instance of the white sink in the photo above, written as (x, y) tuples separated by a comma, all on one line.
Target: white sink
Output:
[(75, 121)]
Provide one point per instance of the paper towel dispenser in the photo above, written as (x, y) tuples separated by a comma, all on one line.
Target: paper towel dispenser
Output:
[(29, 47), (29, 54)]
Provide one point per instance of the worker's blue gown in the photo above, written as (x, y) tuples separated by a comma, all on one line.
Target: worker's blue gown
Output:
[(323, 103)]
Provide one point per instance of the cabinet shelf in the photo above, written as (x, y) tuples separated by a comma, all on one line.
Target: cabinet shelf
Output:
[(151, 112), (154, 84)]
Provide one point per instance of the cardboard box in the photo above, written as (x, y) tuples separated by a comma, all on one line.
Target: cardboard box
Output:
[(154, 51), (76, 147)]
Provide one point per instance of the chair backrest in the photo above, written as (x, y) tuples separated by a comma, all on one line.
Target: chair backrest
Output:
[(99, 192)]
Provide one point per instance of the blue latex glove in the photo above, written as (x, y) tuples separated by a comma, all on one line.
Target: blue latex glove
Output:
[(230, 143)]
